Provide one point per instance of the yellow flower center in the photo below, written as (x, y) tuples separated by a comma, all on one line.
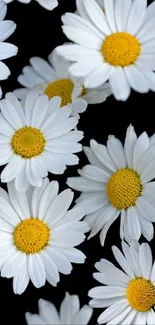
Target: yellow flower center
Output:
[(28, 142), (120, 49), (31, 236), (62, 88), (141, 294), (123, 188), (84, 91)]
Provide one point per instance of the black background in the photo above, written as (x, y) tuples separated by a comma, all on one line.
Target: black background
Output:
[(38, 33)]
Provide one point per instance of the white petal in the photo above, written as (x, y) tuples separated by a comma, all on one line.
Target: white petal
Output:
[(118, 319), (82, 37), (150, 317), (145, 258), (130, 141), (12, 265), (11, 114), (147, 229), (83, 316), (48, 196), (29, 105), (21, 280), (94, 173), (109, 14), (4, 71), (19, 201), (36, 196), (133, 224), (12, 169), (136, 79), (101, 153), (17, 105), (67, 239), (121, 14), (91, 157), (36, 270), (106, 292), (136, 16), (107, 226), (6, 128), (48, 312), (119, 85), (149, 173), (113, 311), (33, 319), (130, 317), (84, 185), (97, 16), (122, 262), (39, 111), (59, 207), (50, 267), (3, 10), (97, 77), (116, 151), (61, 262), (42, 67), (145, 209), (147, 32)]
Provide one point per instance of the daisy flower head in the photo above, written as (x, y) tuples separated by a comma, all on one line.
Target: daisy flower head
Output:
[(117, 183), (38, 235), (129, 293), (53, 79), (7, 50), (47, 4), (36, 139), (70, 313), (115, 45)]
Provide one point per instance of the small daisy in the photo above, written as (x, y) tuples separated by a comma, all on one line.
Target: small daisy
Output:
[(128, 294), (36, 140), (38, 235), (70, 313), (7, 50), (118, 45), (53, 79), (47, 4), (117, 182)]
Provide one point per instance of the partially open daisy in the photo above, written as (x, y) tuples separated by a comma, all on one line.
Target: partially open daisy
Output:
[(7, 50), (53, 79), (37, 139), (38, 235), (117, 45), (117, 182), (70, 313), (128, 294), (47, 4)]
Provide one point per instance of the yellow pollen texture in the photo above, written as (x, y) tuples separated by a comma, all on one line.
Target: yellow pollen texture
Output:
[(28, 142), (120, 49), (62, 88), (84, 91), (31, 236), (141, 294), (124, 188)]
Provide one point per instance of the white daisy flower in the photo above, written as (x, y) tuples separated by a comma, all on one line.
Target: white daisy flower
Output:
[(38, 235), (118, 45), (53, 79), (7, 50), (70, 313), (117, 182), (47, 4), (36, 140), (128, 294)]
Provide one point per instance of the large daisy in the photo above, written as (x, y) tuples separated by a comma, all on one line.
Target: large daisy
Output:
[(117, 182), (47, 4), (38, 235), (118, 45), (53, 79), (128, 294), (37, 139), (70, 313), (7, 50)]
